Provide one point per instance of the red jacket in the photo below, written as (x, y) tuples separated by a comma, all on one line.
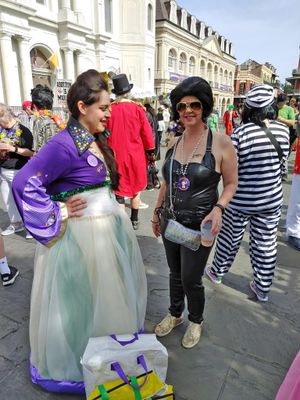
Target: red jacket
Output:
[(131, 134), (228, 121), (297, 159)]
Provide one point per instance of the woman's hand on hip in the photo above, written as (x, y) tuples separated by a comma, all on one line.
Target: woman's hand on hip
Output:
[(75, 205)]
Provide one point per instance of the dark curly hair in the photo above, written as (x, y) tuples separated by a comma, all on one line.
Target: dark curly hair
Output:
[(42, 97), (258, 115), (88, 88), (193, 86)]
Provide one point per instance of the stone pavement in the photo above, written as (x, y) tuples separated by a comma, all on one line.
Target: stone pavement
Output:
[(246, 347)]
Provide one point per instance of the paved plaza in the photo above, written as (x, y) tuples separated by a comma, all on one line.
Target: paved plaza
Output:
[(246, 347)]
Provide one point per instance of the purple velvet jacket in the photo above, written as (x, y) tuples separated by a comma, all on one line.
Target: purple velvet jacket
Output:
[(64, 164)]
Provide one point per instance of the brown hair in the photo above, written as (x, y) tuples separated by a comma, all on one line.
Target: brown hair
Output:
[(88, 87)]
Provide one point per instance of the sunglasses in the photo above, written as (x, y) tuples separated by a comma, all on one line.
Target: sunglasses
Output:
[(194, 106)]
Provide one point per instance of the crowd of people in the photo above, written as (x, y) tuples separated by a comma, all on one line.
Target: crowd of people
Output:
[(66, 182)]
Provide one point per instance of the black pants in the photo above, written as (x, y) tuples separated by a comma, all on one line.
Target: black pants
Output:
[(186, 271)]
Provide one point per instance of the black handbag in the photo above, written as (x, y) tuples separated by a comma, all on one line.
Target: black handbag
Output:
[(152, 176)]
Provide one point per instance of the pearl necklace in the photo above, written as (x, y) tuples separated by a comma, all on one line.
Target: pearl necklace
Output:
[(183, 182)]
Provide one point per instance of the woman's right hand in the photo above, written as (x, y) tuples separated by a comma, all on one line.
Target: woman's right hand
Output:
[(156, 225), (74, 206)]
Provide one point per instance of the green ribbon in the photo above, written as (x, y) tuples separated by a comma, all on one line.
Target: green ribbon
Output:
[(135, 388), (63, 195), (103, 392)]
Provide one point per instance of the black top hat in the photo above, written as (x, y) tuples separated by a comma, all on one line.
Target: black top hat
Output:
[(121, 84)]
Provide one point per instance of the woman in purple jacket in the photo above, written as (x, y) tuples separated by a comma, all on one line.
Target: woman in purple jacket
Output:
[(89, 278)]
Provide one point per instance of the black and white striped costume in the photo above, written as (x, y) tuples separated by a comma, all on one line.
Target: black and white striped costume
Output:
[(258, 199)]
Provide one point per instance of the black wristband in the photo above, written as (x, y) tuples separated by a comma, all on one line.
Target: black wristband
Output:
[(222, 208), (16, 148)]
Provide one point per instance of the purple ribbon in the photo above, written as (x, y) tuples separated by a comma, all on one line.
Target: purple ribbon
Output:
[(115, 366), (125, 342)]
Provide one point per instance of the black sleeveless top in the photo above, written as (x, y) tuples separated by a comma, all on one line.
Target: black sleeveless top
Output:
[(192, 205)]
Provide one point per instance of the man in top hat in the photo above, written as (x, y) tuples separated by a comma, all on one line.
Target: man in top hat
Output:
[(132, 140)]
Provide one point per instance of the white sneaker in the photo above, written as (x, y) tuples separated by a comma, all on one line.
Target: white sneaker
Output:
[(28, 236), (192, 335), (143, 206), (167, 325), (10, 230)]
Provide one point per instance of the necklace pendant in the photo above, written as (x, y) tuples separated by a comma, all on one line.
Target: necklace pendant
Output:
[(183, 183)]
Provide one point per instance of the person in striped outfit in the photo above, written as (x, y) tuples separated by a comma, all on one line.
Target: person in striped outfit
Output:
[(258, 198)]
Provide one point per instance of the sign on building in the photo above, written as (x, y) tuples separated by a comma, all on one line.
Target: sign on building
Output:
[(61, 90)]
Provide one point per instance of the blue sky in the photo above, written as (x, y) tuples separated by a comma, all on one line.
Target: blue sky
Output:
[(263, 30)]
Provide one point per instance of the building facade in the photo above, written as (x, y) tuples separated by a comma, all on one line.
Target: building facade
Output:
[(185, 47), (156, 43), (52, 41), (294, 80), (249, 74)]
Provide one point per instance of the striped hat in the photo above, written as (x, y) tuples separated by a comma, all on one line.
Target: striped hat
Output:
[(260, 96)]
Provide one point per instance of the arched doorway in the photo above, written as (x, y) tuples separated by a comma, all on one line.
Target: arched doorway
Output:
[(42, 72)]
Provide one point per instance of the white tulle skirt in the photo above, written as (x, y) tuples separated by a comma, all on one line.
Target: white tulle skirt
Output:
[(91, 283)]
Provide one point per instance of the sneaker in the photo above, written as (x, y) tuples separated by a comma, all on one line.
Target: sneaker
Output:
[(212, 277), (9, 279), (28, 236), (11, 229), (143, 206), (135, 225), (167, 325), (261, 296), (192, 335)]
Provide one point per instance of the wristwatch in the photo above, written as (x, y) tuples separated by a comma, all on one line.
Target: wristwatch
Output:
[(16, 148)]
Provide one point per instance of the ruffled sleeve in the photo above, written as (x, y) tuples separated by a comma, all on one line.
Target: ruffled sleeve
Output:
[(43, 218)]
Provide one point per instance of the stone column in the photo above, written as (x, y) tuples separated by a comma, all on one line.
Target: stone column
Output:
[(69, 64), (25, 67), (164, 54), (65, 12), (79, 62), (78, 11), (6, 51), (100, 53), (65, 4), (158, 58)]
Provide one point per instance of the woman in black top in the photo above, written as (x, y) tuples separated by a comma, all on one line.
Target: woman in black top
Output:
[(16, 143), (200, 159)]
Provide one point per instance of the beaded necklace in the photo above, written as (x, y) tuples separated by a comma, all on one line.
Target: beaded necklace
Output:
[(59, 121), (183, 182)]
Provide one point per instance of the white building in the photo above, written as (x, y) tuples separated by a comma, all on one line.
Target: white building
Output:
[(185, 47), (75, 34), (156, 43)]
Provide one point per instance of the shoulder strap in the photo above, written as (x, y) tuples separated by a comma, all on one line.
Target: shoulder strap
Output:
[(209, 141), (273, 141)]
